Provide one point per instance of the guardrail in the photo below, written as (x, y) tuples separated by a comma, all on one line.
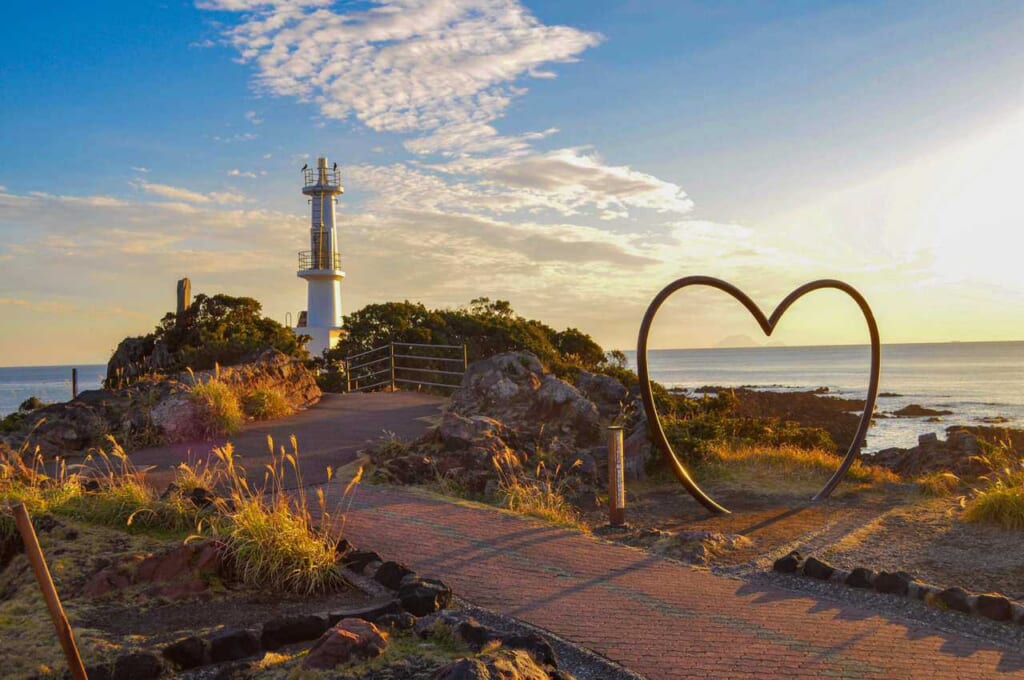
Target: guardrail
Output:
[(406, 363)]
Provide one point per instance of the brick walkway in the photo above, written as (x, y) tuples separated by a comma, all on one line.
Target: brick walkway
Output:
[(653, 616)]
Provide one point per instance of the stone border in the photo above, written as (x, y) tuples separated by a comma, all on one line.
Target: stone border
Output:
[(993, 606)]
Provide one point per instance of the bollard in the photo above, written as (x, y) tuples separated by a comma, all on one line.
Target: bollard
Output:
[(74, 383), (42, 573), (616, 478)]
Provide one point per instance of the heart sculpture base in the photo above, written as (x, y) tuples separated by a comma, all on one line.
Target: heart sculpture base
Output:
[(767, 325)]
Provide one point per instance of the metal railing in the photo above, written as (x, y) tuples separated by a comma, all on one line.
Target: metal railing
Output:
[(309, 259), (321, 176), (406, 363)]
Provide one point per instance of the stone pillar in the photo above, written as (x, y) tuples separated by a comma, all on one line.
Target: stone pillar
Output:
[(184, 295)]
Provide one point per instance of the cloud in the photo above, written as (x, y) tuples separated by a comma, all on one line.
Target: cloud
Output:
[(253, 118), (139, 169), (239, 137), (401, 65), (239, 173), (187, 195)]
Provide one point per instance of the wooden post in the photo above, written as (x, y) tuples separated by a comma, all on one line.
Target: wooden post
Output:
[(348, 376), (392, 346), (616, 478), (74, 383), (465, 358), (42, 572)]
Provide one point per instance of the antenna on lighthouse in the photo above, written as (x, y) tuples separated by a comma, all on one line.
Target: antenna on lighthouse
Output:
[(320, 266)]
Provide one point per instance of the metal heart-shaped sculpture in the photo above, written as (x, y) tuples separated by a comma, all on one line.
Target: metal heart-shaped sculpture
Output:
[(767, 325)]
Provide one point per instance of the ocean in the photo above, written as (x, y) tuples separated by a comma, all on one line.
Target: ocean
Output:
[(49, 383), (974, 380)]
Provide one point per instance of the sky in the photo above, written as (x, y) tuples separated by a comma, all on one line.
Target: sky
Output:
[(571, 157)]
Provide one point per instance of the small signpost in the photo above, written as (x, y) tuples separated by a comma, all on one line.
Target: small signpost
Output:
[(616, 478)]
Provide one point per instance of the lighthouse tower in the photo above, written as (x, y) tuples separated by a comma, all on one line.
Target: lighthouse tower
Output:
[(320, 266)]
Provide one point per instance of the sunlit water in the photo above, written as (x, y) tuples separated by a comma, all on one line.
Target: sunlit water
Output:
[(49, 383), (975, 380)]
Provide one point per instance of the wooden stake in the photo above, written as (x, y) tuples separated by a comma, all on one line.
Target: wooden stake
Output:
[(616, 478), (42, 572)]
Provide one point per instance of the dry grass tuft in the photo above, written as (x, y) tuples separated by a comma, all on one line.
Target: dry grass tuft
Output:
[(938, 484), (1000, 500), (267, 403), (540, 493), (787, 466)]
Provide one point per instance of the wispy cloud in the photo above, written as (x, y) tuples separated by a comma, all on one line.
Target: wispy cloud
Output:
[(235, 172), (187, 195), (253, 118)]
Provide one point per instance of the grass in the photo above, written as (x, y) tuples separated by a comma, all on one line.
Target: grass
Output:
[(938, 484), (222, 412), (1000, 498), (538, 493), (273, 538), (267, 403), (279, 539), (786, 467)]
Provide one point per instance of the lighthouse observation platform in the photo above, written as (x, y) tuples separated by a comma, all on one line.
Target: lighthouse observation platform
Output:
[(313, 261), (321, 180)]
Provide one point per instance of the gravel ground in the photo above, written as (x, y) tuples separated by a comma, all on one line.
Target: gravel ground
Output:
[(581, 662)]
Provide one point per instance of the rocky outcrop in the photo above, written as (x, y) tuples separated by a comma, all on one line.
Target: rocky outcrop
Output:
[(155, 411), (958, 454), (510, 410), (349, 640), (918, 411)]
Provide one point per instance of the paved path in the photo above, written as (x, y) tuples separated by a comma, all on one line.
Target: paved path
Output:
[(653, 616), (330, 433)]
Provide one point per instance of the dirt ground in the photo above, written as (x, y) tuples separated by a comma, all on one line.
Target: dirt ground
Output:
[(891, 527)]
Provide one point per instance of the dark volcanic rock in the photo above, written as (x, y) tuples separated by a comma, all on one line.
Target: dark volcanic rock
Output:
[(506, 664), (138, 666), (420, 598), (815, 568), (356, 560), (860, 577), (288, 629), (994, 606), (896, 583), (233, 644), (188, 653), (400, 621), (390, 574), (918, 411), (537, 647), (957, 599), (788, 564)]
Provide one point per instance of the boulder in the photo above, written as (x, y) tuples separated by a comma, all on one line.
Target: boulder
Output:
[(138, 666), (957, 599), (533, 644), (349, 640), (188, 653), (286, 630), (514, 389), (788, 564), (356, 560), (895, 583), (860, 577), (426, 596), (607, 394), (400, 621), (390, 574), (815, 568), (994, 606), (232, 644)]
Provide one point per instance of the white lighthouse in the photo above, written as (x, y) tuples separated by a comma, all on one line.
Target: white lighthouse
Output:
[(321, 264)]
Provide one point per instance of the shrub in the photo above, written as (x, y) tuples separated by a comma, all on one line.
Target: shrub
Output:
[(266, 403), (220, 407), (540, 494), (1001, 500)]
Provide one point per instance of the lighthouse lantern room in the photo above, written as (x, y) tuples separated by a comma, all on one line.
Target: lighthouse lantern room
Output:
[(320, 266)]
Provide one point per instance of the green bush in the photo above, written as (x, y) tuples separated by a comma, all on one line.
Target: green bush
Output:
[(266, 403), (221, 408)]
